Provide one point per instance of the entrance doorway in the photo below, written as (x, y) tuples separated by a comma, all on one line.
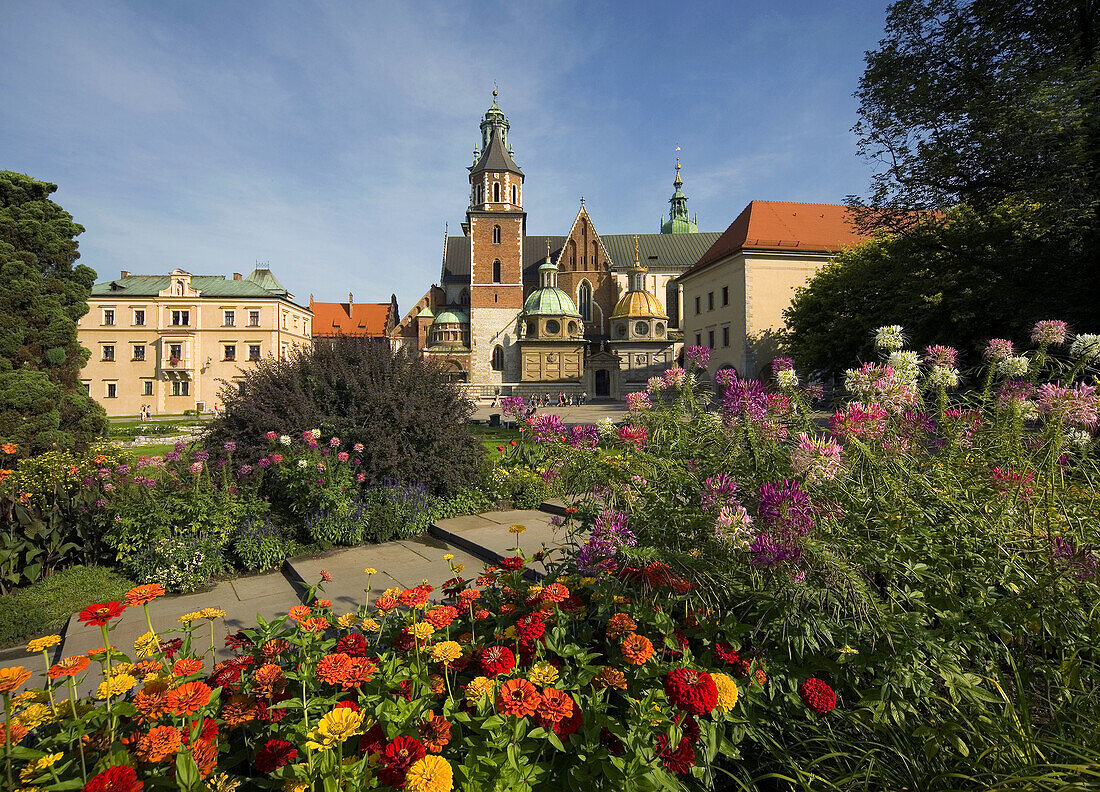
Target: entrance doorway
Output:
[(602, 383)]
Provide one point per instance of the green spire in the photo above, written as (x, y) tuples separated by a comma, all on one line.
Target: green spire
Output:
[(678, 221)]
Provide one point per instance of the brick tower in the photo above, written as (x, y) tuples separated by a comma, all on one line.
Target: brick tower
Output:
[(495, 224)]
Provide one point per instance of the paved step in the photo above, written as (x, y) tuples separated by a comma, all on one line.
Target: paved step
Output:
[(488, 537)]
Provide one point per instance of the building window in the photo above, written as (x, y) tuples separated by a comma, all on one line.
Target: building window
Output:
[(514, 201), (253, 318), (253, 351), (496, 271), (139, 351), (710, 301), (498, 358), (496, 235), (108, 316), (108, 351), (496, 192), (87, 386), (584, 301), (181, 318), (112, 390), (230, 318), (181, 387), (139, 317), (175, 354), (552, 327), (725, 336), (725, 295), (698, 339), (710, 339), (240, 386), (230, 351), (696, 305), (641, 328), (148, 388)]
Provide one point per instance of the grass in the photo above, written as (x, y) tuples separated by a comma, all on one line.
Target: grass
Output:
[(493, 437), (45, 607)]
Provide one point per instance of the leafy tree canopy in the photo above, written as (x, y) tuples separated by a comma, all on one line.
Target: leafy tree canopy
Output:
[(982, 119), (43, 294)]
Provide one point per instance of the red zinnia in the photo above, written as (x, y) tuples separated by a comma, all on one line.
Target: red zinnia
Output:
[(101, 613), (817, 695), (353, 645), (515, 562), (274, 755), (531, 627), (397, 758), (496, 660), (725, 652), (691, 690), (678, 761), (118, 778)]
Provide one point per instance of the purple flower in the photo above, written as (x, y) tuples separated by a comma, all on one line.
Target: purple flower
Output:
[(699, 355), (1048, 332), (246, 470), (717, 490), (583, 436), (324, 452), (100, 503), (609, 533), (1080, 561), (180, 446), (635, 402), (172, 456), (264, 462), (784, 505), (998, 349), (202, 456), (546, 427), (941, 356), (782, 364), (513, 407), (229, 445)]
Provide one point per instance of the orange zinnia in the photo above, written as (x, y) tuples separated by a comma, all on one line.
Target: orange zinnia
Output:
[(300, 613), (620, 624), (160, 743), (18, 732), (610, 677), (267, 680), (239, 709), (69, 667), (555, 592), (186, 666), (13, 678), (385, 604), (140, 595), (555, 705), (333, 668), (315, 624), (152, 701), (205, 754), (636, 649), (518, 697), (9, 448), (188, 698)]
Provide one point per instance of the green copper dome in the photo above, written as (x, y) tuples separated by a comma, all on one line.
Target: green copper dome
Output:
[(678, 221), (550, 301), (452, 316)]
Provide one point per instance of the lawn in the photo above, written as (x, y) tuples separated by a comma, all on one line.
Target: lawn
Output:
[(492, 437)]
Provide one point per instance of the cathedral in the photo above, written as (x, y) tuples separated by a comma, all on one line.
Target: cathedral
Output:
[(516, 314)]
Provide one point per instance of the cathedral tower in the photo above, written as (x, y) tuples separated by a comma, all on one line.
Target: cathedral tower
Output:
[(496, 224)]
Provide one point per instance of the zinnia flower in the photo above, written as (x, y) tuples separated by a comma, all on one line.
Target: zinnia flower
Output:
[(186, 666), (691, 690), (13, 678), (610, 677), (554, 705), (435, 730), (446, 652), (335, 727), (397, 758), (159, 743), (518, 697), (496, 660), (43, 643), (117, 778), (727, 692), (478, 688), (69, 667), (636, 649), (817, 695), (99, 614), (188, 698), (429, 774), (274, 755)]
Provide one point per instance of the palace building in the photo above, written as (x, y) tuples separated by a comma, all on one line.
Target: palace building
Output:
[(580, 312)]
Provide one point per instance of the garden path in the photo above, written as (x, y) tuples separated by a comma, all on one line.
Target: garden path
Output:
[(473, 540)]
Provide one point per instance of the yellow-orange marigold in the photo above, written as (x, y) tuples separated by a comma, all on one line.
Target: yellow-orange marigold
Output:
[(636, 649)]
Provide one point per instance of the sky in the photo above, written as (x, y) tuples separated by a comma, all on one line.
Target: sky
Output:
[(330, 140)]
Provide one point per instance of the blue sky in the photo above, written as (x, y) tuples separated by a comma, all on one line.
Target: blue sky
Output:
[(330, 139)]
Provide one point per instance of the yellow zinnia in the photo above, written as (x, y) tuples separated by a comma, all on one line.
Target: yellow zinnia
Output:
[(348, 620), (43, 643), (146, 645), (516, 529), (212, 613), (479, 688), (370, 571), (370, 625), (42, 763), (446, 652), (115, 686), (422, 630), (34, 716), (429, 774), (335, 727), (542, 674), (727, 691)]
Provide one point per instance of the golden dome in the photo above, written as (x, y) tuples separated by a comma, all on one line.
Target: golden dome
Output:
[(640, 304)]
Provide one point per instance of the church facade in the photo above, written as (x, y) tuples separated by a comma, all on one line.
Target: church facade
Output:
[(519, 314)]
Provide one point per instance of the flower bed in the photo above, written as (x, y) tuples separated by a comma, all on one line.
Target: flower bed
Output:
[(616, 681)]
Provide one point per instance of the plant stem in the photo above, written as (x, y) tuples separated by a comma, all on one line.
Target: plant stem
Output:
[(79, 740), (7, 739)]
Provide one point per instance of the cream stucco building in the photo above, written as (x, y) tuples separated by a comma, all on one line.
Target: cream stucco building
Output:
[(734, 297), (170, 341)]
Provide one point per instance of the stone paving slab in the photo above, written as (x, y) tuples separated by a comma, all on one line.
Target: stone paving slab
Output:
[(493, 542)]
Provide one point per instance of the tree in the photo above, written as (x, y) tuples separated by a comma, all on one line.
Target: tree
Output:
[(43, 294), (982, 118), (412, 421)]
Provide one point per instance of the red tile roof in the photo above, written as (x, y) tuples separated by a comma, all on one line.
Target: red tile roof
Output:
[(350, 319), (782, 225)]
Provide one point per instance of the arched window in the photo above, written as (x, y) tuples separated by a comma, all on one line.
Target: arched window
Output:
[(573, 255), (464, 297), (496, 271), (584, 301), (479, 192), (498, 358), (496, 235), (496, 192), (514, 201)]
